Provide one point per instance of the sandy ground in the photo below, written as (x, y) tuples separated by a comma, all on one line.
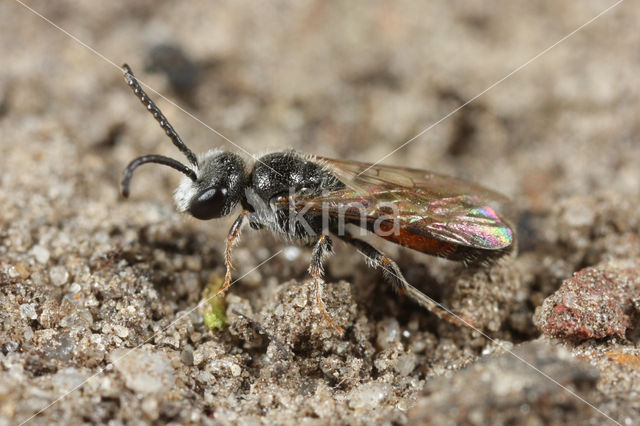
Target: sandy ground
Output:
[(96, 287)]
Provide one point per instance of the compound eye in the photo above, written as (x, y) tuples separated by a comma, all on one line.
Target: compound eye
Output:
[(209, 203)]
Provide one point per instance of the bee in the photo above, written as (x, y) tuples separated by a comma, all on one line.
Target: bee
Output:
[(311, 199)]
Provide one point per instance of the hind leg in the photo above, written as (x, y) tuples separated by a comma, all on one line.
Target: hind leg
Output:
[(393, 274)]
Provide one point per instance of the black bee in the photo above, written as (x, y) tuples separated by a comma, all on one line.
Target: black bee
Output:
[(308, 198)]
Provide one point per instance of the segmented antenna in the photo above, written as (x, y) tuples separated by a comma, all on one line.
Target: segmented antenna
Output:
[(159, 159), (158, 115)]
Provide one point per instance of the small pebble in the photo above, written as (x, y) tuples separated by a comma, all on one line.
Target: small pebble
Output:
[(143, 370), (28, 311), (187, 356), (58, 275), (369, 395), (301, 300), (150, 407), (388, 332), (121, 331), (13, 272), (41, 254), (21, 270), (235, 370), (405, 364), (11, 346)]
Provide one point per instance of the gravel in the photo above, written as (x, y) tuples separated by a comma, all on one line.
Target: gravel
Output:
[(100, 318)]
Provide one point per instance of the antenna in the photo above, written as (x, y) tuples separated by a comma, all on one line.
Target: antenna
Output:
[(159, 116), (159, 159)]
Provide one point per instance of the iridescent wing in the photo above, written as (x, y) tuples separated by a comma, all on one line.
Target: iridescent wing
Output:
[(425, 206)]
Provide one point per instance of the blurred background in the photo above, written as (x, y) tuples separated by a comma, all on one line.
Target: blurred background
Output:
[(353, 80)]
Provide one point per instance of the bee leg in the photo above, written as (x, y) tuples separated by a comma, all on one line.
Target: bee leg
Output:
[(232, 238), (321, 251), (394, 275)]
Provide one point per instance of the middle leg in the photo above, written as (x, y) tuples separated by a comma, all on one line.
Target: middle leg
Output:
[(322, 249)]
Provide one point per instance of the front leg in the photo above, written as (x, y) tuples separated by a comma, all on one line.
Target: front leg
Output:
[(232, 238), (321, 251)]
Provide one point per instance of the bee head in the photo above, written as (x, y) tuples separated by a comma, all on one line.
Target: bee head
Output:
[(217, 189), (214, 183)]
